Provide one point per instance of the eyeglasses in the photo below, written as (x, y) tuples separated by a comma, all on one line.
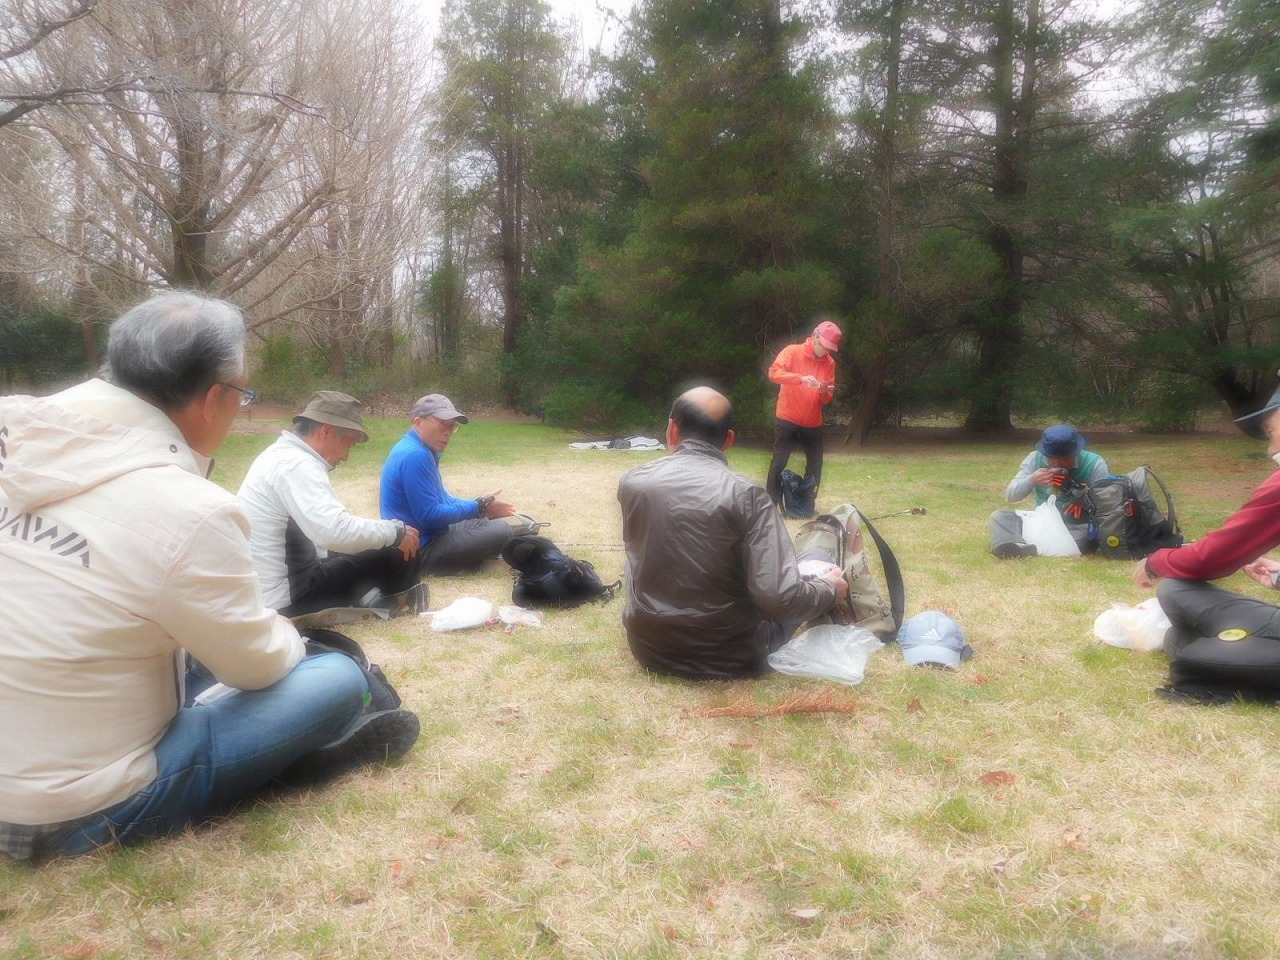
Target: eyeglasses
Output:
[(247, 396), (450, 426)]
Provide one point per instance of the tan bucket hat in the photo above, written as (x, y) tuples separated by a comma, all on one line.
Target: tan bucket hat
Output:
[(336, 409)]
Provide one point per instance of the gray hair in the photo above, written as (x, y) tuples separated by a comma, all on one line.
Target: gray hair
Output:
[(172, 348)]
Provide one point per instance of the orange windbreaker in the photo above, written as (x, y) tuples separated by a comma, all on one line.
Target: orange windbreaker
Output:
[(797, 403)]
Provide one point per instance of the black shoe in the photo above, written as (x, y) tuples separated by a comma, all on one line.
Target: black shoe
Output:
[(1015, 550), (375, 738)]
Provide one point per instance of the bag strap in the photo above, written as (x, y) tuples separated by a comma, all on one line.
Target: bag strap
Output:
[(1171, 509), (892, 573)]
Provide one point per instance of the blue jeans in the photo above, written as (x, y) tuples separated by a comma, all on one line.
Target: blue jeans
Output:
[(216, 755)]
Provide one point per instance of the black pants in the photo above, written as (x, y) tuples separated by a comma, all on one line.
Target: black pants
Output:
[(785, 436), (1198, 609), (341, 579)]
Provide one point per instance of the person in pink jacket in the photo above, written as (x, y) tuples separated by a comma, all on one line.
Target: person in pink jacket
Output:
[(806, 375)]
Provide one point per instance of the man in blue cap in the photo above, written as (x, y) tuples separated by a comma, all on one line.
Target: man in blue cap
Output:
[(1059, 462)]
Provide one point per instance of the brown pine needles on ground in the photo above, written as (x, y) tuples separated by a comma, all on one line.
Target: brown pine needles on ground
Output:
[(802, 701)]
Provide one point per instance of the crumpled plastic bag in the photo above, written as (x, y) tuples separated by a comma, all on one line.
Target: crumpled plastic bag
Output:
[(1134, 628), (514, 616), (462, 614), (829, 651), (1045, 529)]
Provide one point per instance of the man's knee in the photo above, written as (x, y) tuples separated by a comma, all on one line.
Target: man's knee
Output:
[(330, 678), (1178, 595)]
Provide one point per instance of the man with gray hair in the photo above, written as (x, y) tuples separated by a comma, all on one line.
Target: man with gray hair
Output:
[(310, 551), (118, 558), (457, 533)]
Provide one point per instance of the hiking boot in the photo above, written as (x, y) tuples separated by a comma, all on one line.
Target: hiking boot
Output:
[(1014, 551), (375, 738)]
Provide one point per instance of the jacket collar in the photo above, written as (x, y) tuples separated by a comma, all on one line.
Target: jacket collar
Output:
[(700, 448), (289, 438)]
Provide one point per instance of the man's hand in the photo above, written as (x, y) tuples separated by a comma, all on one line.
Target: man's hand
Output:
[(497, 509), (811, 381), (835, 576), (1048, 477), (1263, 571), (1141, 577), (409, 543)]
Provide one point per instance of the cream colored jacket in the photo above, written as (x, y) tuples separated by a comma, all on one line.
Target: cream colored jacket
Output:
[(115, 553)]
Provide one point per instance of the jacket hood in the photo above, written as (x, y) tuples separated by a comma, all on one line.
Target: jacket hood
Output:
[(52, 448)]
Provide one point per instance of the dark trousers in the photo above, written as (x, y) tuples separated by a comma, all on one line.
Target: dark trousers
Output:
[(341, 579), (785, 436), (466, 545), (1198, 609)]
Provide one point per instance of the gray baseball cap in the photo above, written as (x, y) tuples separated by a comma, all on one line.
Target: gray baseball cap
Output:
[(933, 637), (437, 405)]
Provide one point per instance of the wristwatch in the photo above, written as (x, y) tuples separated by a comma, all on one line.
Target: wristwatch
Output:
[(399, 524), (483, 503)]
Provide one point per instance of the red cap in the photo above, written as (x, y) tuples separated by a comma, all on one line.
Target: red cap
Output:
[(828, 335)]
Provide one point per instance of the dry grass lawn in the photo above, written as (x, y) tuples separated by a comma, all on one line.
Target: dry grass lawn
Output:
[(1041, 802)]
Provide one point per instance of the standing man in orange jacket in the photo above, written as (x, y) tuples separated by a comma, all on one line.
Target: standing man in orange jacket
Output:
[(806, 372)]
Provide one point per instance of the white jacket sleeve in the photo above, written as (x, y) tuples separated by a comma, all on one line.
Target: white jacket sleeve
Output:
[(211, 605), (307, 495)]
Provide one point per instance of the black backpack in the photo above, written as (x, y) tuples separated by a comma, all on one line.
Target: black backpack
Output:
[(798, 494), (1215, 670), (546, 577), (1126, 521), (382, 695)]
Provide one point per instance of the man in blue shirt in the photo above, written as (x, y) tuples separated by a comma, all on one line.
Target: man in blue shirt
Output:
[(456, 534)]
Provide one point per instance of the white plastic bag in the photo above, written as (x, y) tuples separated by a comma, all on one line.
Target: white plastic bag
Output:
[(1045, 529), (1134, 628), (829, 651), (462, 614), (514, 616)]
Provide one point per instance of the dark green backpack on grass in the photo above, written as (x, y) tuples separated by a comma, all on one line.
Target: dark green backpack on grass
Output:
[(1128, 523)]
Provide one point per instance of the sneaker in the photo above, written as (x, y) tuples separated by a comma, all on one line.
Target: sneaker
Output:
[(1014, 551), (375, 738)]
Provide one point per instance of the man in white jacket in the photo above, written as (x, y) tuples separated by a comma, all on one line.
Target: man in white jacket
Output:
[(116, 556), (310, 551)]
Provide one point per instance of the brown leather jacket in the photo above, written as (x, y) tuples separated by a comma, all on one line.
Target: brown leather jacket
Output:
[(711, 579)]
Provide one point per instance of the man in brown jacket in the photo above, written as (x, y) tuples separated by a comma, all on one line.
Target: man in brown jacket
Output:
[(712, 581)]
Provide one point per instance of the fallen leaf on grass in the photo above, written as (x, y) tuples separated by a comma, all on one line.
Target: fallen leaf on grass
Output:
[(915, 706), (997, 778), (670, 932), (805, 913), (82, 950)]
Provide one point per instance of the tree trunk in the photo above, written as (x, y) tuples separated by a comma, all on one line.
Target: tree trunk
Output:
[(876, 368), (1000, 332)]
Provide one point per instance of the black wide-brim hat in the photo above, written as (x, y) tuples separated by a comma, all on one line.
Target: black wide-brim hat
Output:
[(1252, 424)]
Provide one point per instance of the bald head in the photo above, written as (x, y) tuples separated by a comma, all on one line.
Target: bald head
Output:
[(702, 413)]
